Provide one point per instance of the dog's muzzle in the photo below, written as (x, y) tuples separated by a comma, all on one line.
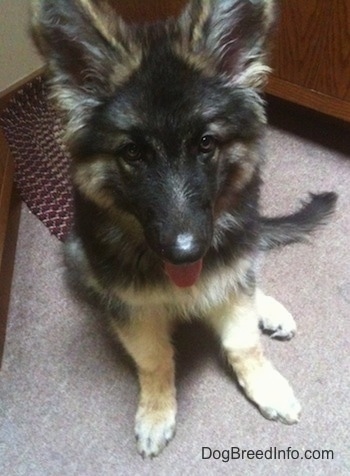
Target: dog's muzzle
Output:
[(183, 259), (182, 255)]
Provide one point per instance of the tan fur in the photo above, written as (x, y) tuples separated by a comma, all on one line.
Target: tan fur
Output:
[(102, 16), (189, 46), (207, 294), (245, 160), (88, 178), (147, 340), (237, 327), (253, 75), (105, 18), (75, 101), (270, 6)]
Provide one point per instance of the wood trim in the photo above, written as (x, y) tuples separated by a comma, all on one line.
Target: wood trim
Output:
[(5, 188), (7, 265), (10, 206), (7, 94), (309, 98)]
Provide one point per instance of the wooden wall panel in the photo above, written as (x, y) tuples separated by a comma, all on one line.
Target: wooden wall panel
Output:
[(299, 41), (334, 75), (150, 10), (311, 55)]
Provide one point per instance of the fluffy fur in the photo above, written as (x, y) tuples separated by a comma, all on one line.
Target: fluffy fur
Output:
[(165, 125)]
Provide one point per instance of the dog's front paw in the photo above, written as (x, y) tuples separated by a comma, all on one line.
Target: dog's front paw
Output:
[(153, 431), (274, 318), (274, 396)]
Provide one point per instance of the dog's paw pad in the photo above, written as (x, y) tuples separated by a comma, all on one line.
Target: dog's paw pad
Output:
[(153, 433)]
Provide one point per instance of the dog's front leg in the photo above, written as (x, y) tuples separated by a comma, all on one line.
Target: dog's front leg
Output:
[(237, 325), (147, 339)]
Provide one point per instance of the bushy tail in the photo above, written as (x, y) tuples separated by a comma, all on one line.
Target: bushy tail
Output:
[(294, 228)]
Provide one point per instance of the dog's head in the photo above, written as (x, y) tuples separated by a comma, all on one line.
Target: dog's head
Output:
[(162, 120)]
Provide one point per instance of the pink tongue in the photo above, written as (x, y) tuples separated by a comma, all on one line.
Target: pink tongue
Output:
[(184, 275)]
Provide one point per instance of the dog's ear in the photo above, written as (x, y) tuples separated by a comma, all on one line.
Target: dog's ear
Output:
[(86, 45), (230, 36)]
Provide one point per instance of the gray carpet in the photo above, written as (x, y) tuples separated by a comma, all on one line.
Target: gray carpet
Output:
[(68, 393)]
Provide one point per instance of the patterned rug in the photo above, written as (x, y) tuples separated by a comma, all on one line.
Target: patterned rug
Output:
[(32, 129)]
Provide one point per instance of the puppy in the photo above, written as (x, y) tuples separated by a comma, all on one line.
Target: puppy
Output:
[(165, 124)]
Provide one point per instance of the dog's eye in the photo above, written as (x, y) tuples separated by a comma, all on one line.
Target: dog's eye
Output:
[(132, 152), (207, 144)]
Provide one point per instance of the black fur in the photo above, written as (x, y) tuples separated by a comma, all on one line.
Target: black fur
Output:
[(284, 230)]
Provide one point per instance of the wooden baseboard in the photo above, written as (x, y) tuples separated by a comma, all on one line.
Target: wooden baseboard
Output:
[(315, 100)]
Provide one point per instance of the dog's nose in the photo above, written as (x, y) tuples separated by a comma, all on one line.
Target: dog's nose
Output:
[(185, 248)]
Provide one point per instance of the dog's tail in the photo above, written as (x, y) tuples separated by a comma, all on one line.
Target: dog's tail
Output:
[(295, 228)]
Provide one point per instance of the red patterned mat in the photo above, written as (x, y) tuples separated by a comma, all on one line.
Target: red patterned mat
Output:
[(32, 129)]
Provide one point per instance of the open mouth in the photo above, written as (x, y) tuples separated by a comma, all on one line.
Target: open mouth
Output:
[(184, 275)]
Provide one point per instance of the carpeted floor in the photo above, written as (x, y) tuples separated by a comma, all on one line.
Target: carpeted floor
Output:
[(68, 393)]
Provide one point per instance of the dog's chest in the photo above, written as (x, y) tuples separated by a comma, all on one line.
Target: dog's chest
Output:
[(211, 290)]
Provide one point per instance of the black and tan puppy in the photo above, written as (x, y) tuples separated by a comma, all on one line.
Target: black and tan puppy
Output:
[(165, 124)]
